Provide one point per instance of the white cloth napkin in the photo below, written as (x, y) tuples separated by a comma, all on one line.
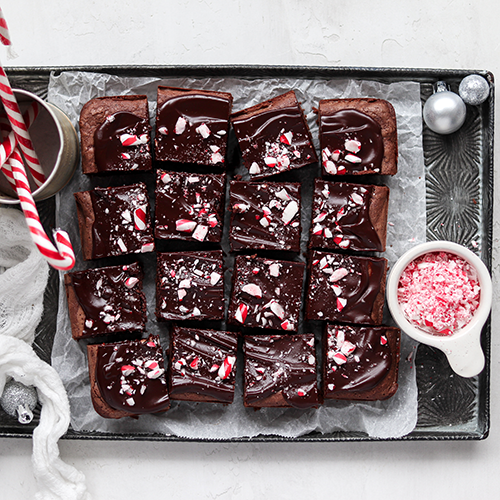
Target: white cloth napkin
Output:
[(23, 278)]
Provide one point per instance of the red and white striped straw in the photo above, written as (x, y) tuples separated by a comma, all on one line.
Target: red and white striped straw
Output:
[(11, 106), (4, 30), (5, 152), (9, 143), (20, 129), (62, 257)]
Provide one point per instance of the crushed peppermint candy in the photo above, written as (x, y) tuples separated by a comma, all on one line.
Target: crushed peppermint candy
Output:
[(226, 367), (254, 168), (200, 232), (203, 130), (265, 216), (439, 292), (180, 125), (133, 140), (253, 290)]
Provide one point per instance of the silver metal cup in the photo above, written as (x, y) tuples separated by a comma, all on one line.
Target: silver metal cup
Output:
[(56, 143)]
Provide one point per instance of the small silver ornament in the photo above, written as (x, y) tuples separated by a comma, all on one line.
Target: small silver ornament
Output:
[(444, 111), (19, 400), (474, 89)]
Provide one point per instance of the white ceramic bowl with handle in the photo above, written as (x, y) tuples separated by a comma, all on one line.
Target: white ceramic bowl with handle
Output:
[(463, 347)]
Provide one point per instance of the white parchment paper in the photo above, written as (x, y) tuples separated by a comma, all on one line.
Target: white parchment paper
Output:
[(393, 418)]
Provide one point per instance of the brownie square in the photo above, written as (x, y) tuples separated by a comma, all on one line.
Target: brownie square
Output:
[(280, 371), (114, 221), (265, 215), (189, 206), (345, 288), (202, 365), (115, 134), (192, 125), (349, 216), (106, 300), (190, 285), (127, 379), (266, 293), (274, 136), (360, 362), (358, 136)]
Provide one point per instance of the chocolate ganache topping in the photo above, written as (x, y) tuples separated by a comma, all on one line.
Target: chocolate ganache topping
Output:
[(266, 293), (357, 358), (111, 298), (341, 217), (265, 215), (193, 128), (121, 143), (190, 285), (122, 221), (189, 206), (274, 141), (131, 376), (351, 142), (280, 364), (344, 288), (203, 364)]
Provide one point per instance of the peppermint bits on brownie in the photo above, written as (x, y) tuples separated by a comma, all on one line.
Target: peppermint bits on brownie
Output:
[(357, 136), (114, 221), (265, 215), (274, 136), (360, 362), (280, 371), (202, 365), (189, 206), (192, 126), (346, 288), (190, 286), (115, 135), (106, 300), (266, 293), (128, 378), (349, 216)]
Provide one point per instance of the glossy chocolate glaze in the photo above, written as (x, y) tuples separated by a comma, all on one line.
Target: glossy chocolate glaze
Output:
[(266, 293), (190, 285), (203, 365), (341, 217), (114, 230), (356, 358), (131, 376), (111, 155), (344, 288), (190, 146), (192, 198), (265, 215), (263, 135), (111, 299), (283, 364), (350, 124)]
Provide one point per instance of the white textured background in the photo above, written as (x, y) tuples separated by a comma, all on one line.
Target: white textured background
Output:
[(423, 33)]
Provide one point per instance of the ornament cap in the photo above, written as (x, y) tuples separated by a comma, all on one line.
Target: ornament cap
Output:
[(24, 414), (441, 87)]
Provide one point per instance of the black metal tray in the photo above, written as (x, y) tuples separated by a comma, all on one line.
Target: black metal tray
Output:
[(459, 172)]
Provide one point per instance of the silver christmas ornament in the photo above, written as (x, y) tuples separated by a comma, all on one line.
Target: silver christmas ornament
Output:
[(474, 89), (444, 111), (19, 400)]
